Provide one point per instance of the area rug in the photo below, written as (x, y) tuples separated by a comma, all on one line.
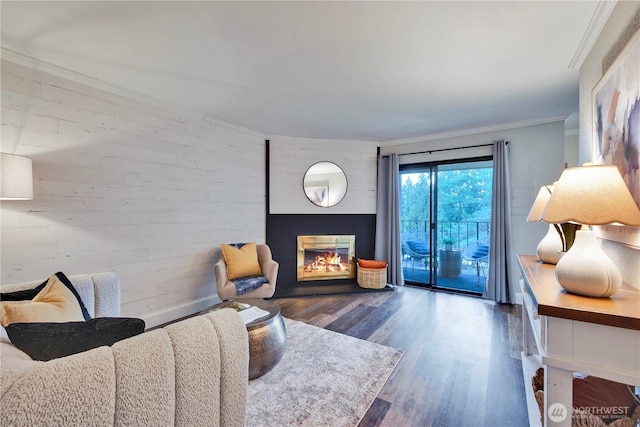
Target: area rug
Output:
[(324, 379)]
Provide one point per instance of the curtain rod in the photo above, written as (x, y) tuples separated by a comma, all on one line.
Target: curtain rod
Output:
[(445, 149)]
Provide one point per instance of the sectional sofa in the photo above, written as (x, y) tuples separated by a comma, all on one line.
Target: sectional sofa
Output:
[(193, 372)]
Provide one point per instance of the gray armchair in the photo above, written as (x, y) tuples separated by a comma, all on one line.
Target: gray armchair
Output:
[(227, 288)]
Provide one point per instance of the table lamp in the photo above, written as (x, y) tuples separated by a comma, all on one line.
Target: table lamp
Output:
[(590, 195), (551, 243), (16, 179)]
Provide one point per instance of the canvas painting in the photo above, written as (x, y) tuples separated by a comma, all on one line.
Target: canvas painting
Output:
[(616, 109)]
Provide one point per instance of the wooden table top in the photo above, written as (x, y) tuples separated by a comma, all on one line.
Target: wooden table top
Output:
[(621, 310)]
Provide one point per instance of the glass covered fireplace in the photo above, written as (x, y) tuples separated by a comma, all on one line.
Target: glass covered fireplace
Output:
[(326, 257)]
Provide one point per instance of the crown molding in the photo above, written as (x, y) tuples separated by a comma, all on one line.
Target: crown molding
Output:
[(474, 131), (598, 20), (45, 67)]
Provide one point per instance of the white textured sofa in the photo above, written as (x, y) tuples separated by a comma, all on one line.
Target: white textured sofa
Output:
[(190, 373)]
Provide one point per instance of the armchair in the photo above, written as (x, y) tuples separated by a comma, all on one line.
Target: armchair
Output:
[(227, 288)]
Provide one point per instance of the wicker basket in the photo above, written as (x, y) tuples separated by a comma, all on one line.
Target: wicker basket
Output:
[(372, 278), (579, 419)]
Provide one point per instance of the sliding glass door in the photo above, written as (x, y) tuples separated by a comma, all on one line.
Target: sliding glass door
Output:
[(444, 222), (416, 223)]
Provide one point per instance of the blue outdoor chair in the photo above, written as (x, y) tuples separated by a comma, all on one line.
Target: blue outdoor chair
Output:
[(416, 250), (478, 254)]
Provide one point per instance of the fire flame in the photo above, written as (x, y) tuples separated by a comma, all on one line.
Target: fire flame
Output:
[(328, 261)]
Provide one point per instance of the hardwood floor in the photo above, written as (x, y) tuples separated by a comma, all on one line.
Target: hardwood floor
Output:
[(461, 364)]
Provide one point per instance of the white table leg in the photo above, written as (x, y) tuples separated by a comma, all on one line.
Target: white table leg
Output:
[(558, 397)]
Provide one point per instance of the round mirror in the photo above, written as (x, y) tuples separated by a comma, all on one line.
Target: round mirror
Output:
[(325, 184)]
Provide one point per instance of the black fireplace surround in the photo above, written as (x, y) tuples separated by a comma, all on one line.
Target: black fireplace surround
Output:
[(281, 236)]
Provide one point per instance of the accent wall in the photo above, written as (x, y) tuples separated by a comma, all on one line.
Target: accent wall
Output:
[(124, 185)]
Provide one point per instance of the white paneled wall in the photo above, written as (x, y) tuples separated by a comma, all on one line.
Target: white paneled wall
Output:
[(537, 158), (291, 157), (126, 186)]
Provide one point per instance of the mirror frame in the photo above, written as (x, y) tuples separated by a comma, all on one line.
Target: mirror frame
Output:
[(317, 191)]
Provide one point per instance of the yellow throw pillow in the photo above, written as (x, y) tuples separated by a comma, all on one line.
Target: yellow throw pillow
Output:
[(54, 303), (241, 262)]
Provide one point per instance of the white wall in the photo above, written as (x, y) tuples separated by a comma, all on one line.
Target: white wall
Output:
[(537, 158), (124, 186), (290, 158), (623, 22), (571, 150)]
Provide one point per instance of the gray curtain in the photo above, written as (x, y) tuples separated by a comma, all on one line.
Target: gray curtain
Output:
[(388, 217), (500, 271)]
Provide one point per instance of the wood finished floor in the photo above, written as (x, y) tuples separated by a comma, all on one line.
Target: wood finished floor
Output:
[(461, 364)]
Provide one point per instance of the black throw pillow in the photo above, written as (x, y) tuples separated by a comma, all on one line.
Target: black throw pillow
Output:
[(24, 295), (67, 283), (29, 294), (45, 341)]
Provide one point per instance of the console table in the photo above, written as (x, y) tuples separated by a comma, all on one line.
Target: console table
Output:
[(573, 333)]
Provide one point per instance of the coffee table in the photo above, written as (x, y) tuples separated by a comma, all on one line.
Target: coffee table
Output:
[(267, 336)]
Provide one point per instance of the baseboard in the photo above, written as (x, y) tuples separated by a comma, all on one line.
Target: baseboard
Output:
[(519, 298), (170, 314)]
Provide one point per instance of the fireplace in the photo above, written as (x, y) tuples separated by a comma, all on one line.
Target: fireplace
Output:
[(282, 232), (326, 257)]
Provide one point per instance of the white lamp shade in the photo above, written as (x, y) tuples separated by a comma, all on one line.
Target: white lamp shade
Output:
[(16, 179), (535, 214), (547, 250), (593, 195)]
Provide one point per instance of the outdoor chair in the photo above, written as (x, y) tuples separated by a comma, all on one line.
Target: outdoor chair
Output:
[(477, 253), (415, 249)]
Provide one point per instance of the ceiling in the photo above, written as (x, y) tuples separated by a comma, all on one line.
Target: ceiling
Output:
[(371, 71)]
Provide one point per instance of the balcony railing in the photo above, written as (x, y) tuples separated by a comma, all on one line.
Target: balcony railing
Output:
[(462, 233)]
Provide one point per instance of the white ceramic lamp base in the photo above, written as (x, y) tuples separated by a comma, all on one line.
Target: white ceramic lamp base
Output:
[(549, 246), (586, 270)]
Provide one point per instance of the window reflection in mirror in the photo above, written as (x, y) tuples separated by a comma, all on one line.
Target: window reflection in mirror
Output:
[(325, 184)]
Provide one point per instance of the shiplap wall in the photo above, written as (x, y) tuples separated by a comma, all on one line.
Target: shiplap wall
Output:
[(122, 185), (290, 158)]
